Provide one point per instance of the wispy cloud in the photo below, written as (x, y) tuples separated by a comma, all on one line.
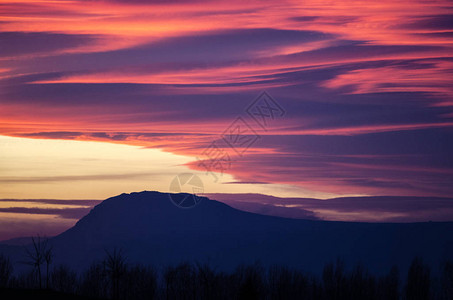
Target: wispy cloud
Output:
[(362, 83), (365, 209), (69, 213)]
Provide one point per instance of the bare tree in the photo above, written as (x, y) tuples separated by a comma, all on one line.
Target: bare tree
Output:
[(115, 266), (37, 255), (418, 280), (447, 280), (388, 286), (285, 283), (180, 281), (140, 282), (48, 257), (6, 270), (94, 282), (63, 279), (252, 285), (334, 280), (207, 282)]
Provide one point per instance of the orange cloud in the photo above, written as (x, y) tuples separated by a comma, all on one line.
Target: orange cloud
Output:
[(432, 77)]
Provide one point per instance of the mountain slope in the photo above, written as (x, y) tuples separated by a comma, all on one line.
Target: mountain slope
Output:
[(151, 229)]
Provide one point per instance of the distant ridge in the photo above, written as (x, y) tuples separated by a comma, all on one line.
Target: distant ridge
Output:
[(150, 229)]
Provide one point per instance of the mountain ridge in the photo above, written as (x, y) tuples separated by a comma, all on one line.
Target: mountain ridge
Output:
[(152, 230)]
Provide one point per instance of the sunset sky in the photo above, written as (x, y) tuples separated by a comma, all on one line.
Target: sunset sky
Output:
[(103, 97)]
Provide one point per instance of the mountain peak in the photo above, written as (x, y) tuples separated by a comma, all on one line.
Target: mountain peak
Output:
[(141, 213), (151, 229), (143, 201)]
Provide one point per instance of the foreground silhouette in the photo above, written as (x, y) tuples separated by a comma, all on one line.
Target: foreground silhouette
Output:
[(214, 239), (114, 278)]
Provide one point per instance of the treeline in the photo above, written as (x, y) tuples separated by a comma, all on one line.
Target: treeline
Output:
[(115, 278)]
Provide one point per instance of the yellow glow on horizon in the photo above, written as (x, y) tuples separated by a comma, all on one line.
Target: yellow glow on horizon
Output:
[(70, 169), (67, 169), (33, 204)]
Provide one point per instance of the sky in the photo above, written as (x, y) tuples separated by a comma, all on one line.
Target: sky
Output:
[(103, 97)]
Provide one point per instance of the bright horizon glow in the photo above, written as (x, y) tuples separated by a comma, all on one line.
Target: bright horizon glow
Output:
[(67, 169)]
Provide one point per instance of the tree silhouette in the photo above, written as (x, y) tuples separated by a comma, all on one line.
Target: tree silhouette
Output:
[(285, 283), (334, 280), (447, 280), (6, 270), (180, 282), (48, 257), (208, 281), (63, 279), (115, 266), (388, 286), (114, 278), (361, 285), (37, 255), (94, 281), (140, 282), (418, 280), (251, 281)]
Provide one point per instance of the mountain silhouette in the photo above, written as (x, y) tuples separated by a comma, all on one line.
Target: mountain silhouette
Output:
[(151, 229)]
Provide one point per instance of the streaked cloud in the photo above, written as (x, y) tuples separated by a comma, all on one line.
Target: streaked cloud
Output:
[(367, 89), (364, 209)]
